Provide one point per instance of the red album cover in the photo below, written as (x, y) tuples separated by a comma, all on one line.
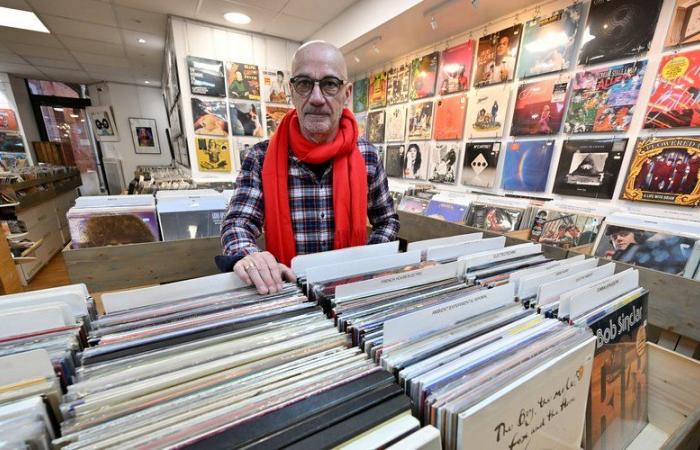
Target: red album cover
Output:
[(456, 68), (539, 108), (450, 117), (675, 100)]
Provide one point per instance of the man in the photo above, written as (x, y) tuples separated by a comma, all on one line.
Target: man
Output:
[(279, 90), (503, 64), (312, 186)]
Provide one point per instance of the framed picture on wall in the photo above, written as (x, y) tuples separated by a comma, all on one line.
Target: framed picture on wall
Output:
[(102, 123), (144, 135)]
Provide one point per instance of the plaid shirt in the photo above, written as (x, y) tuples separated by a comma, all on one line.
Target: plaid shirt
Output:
[(311, 205)]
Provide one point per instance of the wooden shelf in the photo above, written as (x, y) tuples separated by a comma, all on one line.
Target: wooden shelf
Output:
[(24, 259), (43, 180)]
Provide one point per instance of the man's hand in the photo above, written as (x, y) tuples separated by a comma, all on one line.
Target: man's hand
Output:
[(263, 270)]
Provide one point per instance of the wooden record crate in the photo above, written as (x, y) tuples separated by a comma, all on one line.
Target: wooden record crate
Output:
[(48, 152)]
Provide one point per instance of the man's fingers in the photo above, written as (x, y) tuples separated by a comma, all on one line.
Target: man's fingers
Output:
[(287, 274), (260, 285), (274, 269), (264, 271), (242, 274)]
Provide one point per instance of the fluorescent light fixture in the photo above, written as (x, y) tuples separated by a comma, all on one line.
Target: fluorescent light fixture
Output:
[(237, 18), (24, 20), (142, 41), (147, 82)]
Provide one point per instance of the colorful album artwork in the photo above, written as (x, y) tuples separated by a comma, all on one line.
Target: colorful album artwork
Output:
[(665, 170), (375, 126), (420, 121), (497, 55), (413, 205), (206, 77), (275, 86), (396, 124), (603, 100), (361, 124), (424, 76), (549, 42), (564, 229), (675, 100), (456, 68), (481, 164), (618, 29), (397, 84), (8, 120), (450, 212), (213, 154), (209, 117), (360, 89), (539, 107), (11, 142), (685, 26), (444, 162), (273, 117), (589, 167), (242, 81), (497, 219), (450, 114), (395, 155), (487, 112), (13, 161), (245, 118), (377, 90), (415, 162), (526, 167)]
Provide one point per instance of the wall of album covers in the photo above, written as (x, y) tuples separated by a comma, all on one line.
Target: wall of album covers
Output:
[(13, 144), (227, 90), (597, 100)]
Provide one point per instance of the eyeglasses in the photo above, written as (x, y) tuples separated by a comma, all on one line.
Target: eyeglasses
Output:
[(330, 86)]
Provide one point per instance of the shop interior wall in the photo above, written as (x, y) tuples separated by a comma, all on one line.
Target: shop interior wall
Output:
[(654, 56), (25, 111), (7, 100)]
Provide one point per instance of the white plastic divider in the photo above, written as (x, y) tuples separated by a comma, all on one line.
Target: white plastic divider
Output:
[(550, 292), (34, 318), (358, 266), (438, 242), (74, 295), (454, 251), (494, 256), (585, 298), (527, 286), (25, 366), (301, 263)]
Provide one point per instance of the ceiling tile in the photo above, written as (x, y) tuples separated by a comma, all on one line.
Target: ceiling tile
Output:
[(86, 10), (272, 5), (11, 58), (90, 46), (213, 11), (44, 52), (19, 69), (85, 30), (291, 27), (74, 76), (183, 8), (53, 63), (109, 61), (16, 4), (139, 20), (28, 37), (321, 10), (153, 42), (112, 77), (104, 71)]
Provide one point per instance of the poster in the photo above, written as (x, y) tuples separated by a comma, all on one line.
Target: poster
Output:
[(450, 115), (8, 120), (539, 107), (102, 122), (456, 68), (377, 90), (415, 162), (604, 100), (589, 167), (420, 121), (675, 99), (549, 42), (273, 117), (397, 84), (480, 166), (359, 95), (685, 25), (396, 124), (424, 76), (209, 117), (444, 162), (206, 76), (213, 154), (618, 29), (394, 160), (243, 81), (664, 170), (275, 87), (375, 126), (526, 166), (246, 118), (487, 112), (497, 55), (144, 135)]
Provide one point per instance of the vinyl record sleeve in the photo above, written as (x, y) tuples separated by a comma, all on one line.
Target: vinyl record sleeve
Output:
[(242, 81), (213, 155), (416, 160), (246, 118), (450, 115), (488, 111), (456, 68), (360, 95), (444, 163), (395, 155), (361, 119), (481, 164), (539, 107), (424, 76), (685, 24), (375, 126), (397, 84), (396, 124), (377, 90), (526, 166), (209, 117), (497, 55), (273, 117), (590, 167), (449, 212), (275, 86), (674, 101), (564, 229), (206, 76), (413, 205), (420, 121)]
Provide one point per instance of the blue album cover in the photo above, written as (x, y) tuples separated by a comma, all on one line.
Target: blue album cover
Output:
[(450, 212), (527, 165)]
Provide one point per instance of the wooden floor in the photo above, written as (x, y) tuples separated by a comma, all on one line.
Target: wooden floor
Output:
[(53, 275)]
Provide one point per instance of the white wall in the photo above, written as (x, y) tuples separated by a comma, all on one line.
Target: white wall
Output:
[(128, 101), (7, 100)]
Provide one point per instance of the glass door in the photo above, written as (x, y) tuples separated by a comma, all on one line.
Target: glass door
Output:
[(68, 127)]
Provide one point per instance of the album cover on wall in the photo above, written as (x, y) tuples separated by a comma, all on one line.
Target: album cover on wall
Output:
[(450, 114), (424, 76), (242, 81), (497, 55), (380, 153), (213, 154), (420, 121), (589, 167), (275, 86), (456, 68), (674, 101), (361, 120), (377, 90), (396, 124), (245, 118), (685, 25), (549, 42), (375, 126), (395, 155), (415, 162), (603, 100), (526, 166), (243, 147), (444, 161), (665, 170), (481, 164), (618, 29), (273, 117), (360, 90), (206, 76), (8, 120), (397, 84), (539, 107), (209, 117), (487, 112)]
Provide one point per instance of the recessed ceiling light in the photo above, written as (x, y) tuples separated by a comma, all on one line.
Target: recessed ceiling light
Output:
[(142, 41), (147, 82), (24, 20), (237, 18)]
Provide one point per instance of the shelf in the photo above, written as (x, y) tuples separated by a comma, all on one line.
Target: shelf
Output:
[(43, 180), (24, 259)]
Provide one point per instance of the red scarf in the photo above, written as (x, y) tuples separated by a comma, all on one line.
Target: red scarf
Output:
[(349, 184)]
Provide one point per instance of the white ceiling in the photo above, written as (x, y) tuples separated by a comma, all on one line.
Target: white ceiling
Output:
[(97, 40)]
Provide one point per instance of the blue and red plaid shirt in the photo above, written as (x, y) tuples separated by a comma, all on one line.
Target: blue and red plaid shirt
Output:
[(310, 202)]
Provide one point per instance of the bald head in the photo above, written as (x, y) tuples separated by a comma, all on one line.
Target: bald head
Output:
[(320, 52)]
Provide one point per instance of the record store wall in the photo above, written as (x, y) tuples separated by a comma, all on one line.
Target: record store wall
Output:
[(230, 47), (637, 111)]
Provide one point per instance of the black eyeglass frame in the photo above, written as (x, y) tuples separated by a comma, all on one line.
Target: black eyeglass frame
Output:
[(293, 81)]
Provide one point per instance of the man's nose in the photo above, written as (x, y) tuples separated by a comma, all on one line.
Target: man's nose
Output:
[(316, 96)]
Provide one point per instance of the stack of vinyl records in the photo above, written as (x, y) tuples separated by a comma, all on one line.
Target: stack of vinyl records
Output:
[(499, 214)]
